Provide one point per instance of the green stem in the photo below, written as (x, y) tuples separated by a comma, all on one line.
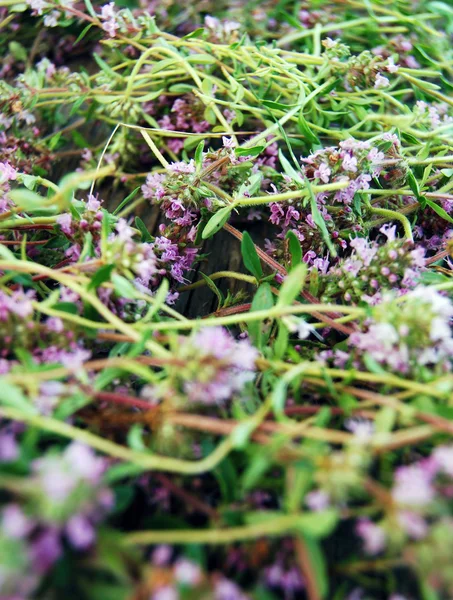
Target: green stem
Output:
[(147, 461), (219, 275), (277, 526), (394, 215)]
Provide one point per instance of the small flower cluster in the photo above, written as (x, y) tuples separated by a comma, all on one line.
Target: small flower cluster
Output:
[(403, 47), (64, 499), (409, 335), (87, 226), (372, 269), (353, 163), (186, 114), (421, 493), (212, 367), (362, 71), (180, 191), (48, 341)]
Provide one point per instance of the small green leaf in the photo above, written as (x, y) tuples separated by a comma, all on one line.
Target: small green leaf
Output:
[(212, 286), (146, 236), (6, 253), (201, 59), (281, 342), (305, 130), (250, 256), (289, 169), (292, 285), (11, 395), (438, 210), (254, 151), (90, 9), (67, 307), (194, 34), (158, 300), (123, 287), (83, 33), (126, 200), (18, 51), (216, 222), (101, 275), (413, 183), (26, 199), (294, 248), (275, 105), (199, 155), (262, 300), (319, 220), (318, 524)]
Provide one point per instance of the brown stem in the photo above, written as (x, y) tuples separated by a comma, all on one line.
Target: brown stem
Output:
[(327, 318), (306, 567), (186, 496)]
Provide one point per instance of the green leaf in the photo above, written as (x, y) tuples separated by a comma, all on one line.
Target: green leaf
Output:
[(438, 210), (135, 438), (202, 59), (250, 256), (281, 342), (105, 67), (158, 300), (289, 169), (83, 33), (318, 524), (18, 51), (146, 236), (90, 9), (11, 395), (254, 151), (279, 395), (372, 365), (292, 285), (126, 200), (305, 130), (101, 275), (123, 287), (67, 307), (262, 300), (194, 34), (216, 222), (199, 155), (413, 183), (6, 253), (276, 105), (294, 249), (319, 220), (212, 286), (385, 420), (26, 199)]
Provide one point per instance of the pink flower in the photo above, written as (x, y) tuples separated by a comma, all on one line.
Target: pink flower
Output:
[(413, 486), (373, 536), (7, 172), (381, 82)]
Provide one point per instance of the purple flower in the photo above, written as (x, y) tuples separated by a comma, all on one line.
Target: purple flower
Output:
[(381, 82), (323, 172), (413, 486), (349, 163), (80, 532), (187, 572), (15, 524), (46, 549), (373, 536), (218, 365)]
